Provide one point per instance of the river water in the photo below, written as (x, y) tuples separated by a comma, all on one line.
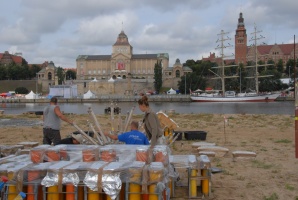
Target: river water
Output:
[(278, 107)]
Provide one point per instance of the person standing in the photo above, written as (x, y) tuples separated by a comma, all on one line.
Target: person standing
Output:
[(52, 117), (132, 137), (151, 122)]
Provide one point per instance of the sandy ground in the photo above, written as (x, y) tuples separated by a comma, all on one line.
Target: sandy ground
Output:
[(272, 175)]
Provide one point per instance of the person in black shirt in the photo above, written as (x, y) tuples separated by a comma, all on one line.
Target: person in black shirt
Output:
[(74, 139)]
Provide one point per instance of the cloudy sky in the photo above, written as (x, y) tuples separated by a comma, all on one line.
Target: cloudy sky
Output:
[(60, 30)]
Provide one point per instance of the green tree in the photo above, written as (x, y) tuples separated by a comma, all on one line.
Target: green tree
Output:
[(157, 76), (193, 82), (60, 75), (3, 73), (33, 70), (280, 66), (71, 75), (21, 90)]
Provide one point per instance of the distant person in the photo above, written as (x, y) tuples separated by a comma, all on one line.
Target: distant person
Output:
[(132, 137), (52, 117), (151, 123), (74, 139)]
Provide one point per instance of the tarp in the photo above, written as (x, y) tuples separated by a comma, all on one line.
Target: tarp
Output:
[(171, 91), (65, 91), (31, 95), (88, 95)]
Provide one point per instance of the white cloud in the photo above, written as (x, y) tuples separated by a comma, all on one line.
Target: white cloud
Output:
[(62, 30)]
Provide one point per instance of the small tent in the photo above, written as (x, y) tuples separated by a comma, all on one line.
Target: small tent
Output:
[(31, 95), (89, 95), (171, 91)]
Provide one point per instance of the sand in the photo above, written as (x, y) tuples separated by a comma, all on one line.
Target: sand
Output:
[(272, 174)]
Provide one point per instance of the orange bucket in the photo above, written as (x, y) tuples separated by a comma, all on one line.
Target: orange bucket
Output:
[(89, 155), (36, 155), (52, 155), (108, 155), (142, 154)]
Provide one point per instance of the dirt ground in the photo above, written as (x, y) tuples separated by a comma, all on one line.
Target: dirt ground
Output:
[(271, 175)]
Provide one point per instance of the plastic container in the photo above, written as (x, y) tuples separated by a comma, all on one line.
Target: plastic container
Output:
[(175, 133), (195, 135), (20, 196)]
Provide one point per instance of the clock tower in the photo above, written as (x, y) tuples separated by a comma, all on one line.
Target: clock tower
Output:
[(121, 56), (240, 41)]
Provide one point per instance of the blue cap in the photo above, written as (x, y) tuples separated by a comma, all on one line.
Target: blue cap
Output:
[(22, 194)]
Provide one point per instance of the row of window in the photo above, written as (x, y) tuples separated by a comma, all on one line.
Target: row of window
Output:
[(104, 71)]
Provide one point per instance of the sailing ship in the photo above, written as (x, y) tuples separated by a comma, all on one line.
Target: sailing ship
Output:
[(232, 96)]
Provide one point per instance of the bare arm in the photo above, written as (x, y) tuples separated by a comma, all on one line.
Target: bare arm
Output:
[(61, 116), (114, 137)]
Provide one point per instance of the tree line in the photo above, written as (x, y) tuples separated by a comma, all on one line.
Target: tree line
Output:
[(202, 76)]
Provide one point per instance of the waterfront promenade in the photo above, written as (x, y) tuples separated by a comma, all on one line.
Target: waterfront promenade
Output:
[(104, 98), (118, 98)]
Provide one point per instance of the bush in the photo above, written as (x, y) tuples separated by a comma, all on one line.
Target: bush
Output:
[(21, 90)]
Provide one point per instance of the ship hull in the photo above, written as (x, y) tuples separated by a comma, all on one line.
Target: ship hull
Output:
[(258, 98)]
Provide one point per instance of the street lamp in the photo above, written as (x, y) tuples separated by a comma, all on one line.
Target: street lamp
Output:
[(185, 84)]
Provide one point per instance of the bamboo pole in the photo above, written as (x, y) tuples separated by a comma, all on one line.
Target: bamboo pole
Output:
[(96, 134), (91, 113), (84, 134), (128, 119)]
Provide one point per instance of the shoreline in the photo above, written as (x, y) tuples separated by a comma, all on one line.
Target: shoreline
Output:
[(104, 99)]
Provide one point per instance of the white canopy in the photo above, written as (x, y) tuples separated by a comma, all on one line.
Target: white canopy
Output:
[(171, 91), (111, 80), (89, 95), (31, 95)]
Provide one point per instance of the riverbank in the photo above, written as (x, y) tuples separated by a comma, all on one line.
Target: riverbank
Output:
[(273, 174), (118, 98)]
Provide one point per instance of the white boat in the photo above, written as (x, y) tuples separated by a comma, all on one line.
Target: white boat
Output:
[(231, 96)]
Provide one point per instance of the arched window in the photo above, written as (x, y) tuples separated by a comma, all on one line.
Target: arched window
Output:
[(177, 73), (124, 77), (49, 76), (114, 77)]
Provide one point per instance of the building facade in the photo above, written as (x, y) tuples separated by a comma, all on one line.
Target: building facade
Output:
[(6, 58), (121, 63)]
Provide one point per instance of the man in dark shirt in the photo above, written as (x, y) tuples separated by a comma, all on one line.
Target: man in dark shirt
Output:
[(74, 139)]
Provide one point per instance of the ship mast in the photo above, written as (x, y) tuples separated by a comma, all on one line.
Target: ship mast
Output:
[(221, 68)]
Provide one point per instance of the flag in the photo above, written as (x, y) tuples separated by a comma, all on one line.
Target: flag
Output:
[(120, 66)]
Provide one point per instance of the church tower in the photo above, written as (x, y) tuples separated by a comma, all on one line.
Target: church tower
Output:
[(240, 41)]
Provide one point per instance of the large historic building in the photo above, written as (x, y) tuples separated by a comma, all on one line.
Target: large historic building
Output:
[(7, 58), (121, 63), (265, 52), (124, 72)]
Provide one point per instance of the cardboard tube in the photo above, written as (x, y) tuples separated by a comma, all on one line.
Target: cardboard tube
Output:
[(70, 192), (205, 182), (135, 189), (193, 183), (80, 192), (32, 175), (154, 176), (12, 189), (93, 195), (53, 193), (91, 113)]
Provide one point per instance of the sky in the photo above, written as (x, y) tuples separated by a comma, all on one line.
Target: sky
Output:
[(60, 30)]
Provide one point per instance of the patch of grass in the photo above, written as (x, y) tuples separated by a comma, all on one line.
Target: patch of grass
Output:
[(289, 187), (286, 141), (273, 196), (259, 164)]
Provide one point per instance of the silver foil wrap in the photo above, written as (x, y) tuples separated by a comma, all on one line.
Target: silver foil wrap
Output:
[(111, 184), (50, 179), (90, 180), (71, 178)]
